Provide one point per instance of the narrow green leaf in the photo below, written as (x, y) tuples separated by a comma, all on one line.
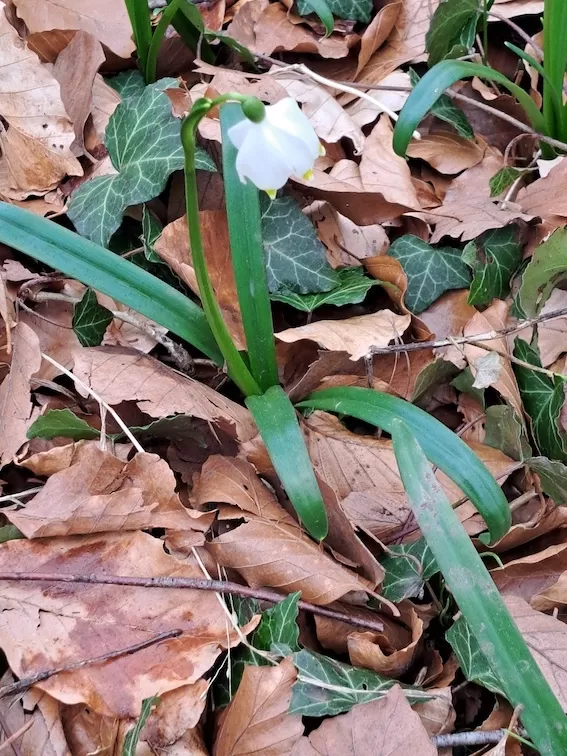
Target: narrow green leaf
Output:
[(478, 598), (133, 735), (352, 288), (552, 477), (407, 568), (446, 110), (245, 229), (436, 81), (151, 230), (277, 422), (543, 400), (473, 662), (232, 44), (504, 431), (449, 20), (90, 320), (351, 10), (494, 258), (442, 447), (62, 423), (322, 11), (503, 180), (326, 687), (430, 271), (141, 26), (547, 267), (95, 266), (295, 258)]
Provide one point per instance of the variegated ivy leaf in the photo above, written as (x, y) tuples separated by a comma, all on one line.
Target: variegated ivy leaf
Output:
[(493, 257), (407, 568), (351, 10), (473, 662), (352, 288)]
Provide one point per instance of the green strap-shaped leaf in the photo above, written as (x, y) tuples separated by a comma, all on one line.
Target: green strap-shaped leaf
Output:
[(95, 266), (442, 447), (133, 735), (277, 422), (321, 9), (478, 598)]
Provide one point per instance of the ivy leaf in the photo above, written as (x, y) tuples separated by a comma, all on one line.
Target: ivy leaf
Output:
[(144, 143), (295, 258), (543, 400), (547, 267), (151, 230), (430, 271), (64, 423), (446, 110), (431, 376), (90, 320), (503, 180), (449, 20), (133, 735), (407, 568), (128, 84), (493, 257), (552, 477), (473, 662), (504, 430), (353, 286), (351, 10), (326, 687), (464, 382)]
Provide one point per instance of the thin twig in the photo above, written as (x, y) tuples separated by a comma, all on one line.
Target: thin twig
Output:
[(477, 737), (26, 682), (196, 584), (9, 743)]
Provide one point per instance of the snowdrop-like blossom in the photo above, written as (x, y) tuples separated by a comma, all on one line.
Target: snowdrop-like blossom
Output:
[(274, 143)]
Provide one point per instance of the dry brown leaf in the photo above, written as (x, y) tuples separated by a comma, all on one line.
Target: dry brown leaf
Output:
[(16, 407), (256, 722), (47, 625), (446, 152), (176, 712), (532, 575), (87, 732), (546, 196), (552, 334), (346, 242), (437, 715), (99, 493), (266, 554), (119, 375), (106, 20), (377, 32), (512, 8), (386, 727), (356, 336)]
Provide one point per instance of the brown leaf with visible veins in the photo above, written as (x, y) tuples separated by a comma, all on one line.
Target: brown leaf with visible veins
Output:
[(267, 554), (546, 196), (446, 152), (48, 625), (119, 375), (532, 575), (87, 732), (99, 493), (386, 727), (347, 243), (377, 32), (256, 722), (176, 712)]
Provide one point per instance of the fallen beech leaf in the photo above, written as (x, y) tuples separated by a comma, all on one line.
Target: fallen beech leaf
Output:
[(106, 20), (266, 554), (119, 375), (176, 712), (355, 335), (546, 196), (15, 402), (446, 152), (45, 625), (346, 242), (532, 575), (257, 721), (377, 32), (99, 493), (437, 715), (365, 651), (87, 732), (386, 727)]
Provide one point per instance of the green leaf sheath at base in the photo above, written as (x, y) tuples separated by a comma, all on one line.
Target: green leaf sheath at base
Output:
[(441, 446), (108, 273), (247, 251), (436, 81), (498, 637), (277, 422)]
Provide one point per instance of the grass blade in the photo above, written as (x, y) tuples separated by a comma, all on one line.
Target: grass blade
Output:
[(430, 88), (479, 599), (277, 422), (441, 446), (96, 266), (142, 28), (244, 223), (151, 63)]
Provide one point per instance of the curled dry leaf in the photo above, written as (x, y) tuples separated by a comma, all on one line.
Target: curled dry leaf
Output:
[(257, 721), (87, 732), (356, 336), (48, 625), (346, 242), (377, 32), (446, 152), (386, 727), (437, 715), (546, 196), (532, 576), (176, 712), (98, 492)]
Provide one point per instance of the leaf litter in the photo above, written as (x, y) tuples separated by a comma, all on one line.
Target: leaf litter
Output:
[(369, 264)]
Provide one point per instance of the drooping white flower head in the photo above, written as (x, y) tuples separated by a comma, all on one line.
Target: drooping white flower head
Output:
[(281, 145)]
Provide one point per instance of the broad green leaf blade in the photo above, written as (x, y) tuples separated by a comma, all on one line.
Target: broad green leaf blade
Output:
[(543, 400), (407, 568), (295, 258), (473, 662), (351, 10), (133, 735), (441, 446), (95, 266), (277, 422), (62, 423), (449, 19), (144, 144), (503, 180), (128, 84), (278, 626), (326, 687), (322, 11), (90, 320), (504, 431), (245, 229), (447, 111), (478, 598), (547, 267), (552, 477), (352, 288), (436, 81), (430, 271), (493, 257)]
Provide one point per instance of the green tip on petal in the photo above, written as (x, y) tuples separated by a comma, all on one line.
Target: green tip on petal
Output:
[(308, 175), (271, 193), (322, 150), (254, 109)]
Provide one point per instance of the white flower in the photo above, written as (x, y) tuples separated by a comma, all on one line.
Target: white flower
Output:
[(281, 145)]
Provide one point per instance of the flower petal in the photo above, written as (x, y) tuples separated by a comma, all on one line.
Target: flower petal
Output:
[(238, 133), (288, 116), (260, 160)]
